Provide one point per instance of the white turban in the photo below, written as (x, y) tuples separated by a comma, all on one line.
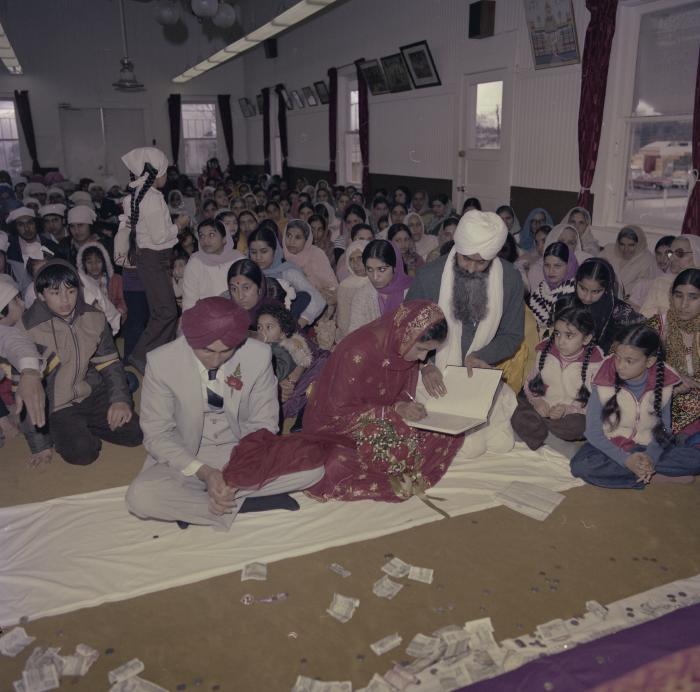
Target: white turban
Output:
[(81, 214), (52, 209), (19, 213), (480, 233), (35, 189), (136, 159), (81, 197), (4, 242), (8, 290), (56, 191)]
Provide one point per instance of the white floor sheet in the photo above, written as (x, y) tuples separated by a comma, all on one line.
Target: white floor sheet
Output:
[(83, 550)]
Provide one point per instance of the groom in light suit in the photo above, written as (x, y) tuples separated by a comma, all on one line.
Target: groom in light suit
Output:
[(201, 394)]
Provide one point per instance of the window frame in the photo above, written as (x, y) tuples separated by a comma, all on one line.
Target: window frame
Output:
[(202, 100), (347, 83), (18, 139)]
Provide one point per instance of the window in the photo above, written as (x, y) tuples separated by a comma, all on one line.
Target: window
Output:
[(9, 139), (198, 134), (660, 124), (487, 122), (353, 155)]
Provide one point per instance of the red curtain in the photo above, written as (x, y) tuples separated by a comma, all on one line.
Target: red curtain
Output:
[(691, 220), (174, 115), (364, 128), (224, 101), (594, 77), (282, 127), (266, 128), (25, 118), (333, 124)]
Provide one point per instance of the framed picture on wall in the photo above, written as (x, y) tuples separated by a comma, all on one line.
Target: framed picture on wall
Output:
[(310, 97), (287, 99), (297, 99), (421, 66), (322, 91), (552, 28), (261, 103), (374, 76), (247, 108), (396, 73)]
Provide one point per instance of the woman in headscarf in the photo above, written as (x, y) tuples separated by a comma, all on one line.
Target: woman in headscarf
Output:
[(377, 456), (151, 237), (349, 286), (580, 219), (299, 249), (442, 208), (536, 218), (423, 242), (206, 273), (251, 289), (400, 235), (684, 254), (560, 267), (322, 237), (510, 219), (387, 285), (630, 258)]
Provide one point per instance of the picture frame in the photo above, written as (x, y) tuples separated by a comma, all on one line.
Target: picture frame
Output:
[(287, 99), (553, 36), (298, 101), (261, 103), (420, 65), (322, 90), (310, 97), (374, 76), (247, 108), (396, 73)]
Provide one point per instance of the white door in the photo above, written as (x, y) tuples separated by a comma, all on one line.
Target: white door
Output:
[(123, 131), (486, 108), (83, 143)]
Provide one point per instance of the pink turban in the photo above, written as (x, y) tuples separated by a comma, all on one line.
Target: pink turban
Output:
[(213, 319)]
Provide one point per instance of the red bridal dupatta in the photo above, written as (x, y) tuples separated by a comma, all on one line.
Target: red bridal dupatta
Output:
[(376, 455)]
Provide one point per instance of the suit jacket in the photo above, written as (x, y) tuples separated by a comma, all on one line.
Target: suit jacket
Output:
[(172, 401)]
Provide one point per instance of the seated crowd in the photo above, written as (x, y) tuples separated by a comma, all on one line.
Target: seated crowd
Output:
[(251, 307)]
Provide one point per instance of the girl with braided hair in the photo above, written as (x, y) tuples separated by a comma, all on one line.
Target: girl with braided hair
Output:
[(146, 237), (555, 394), (628, 419)]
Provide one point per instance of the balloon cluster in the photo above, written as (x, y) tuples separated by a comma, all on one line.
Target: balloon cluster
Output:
[(220, 12)]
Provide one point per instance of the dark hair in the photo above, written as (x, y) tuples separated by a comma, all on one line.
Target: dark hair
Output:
[(629, 233), (358, 227), (544, 228), (355, 209), (90, 252), (436, 332), (306, 205), (399, 204), (56, 275), (688, 277), (442, 198), (506, 207), (446, 247), (379, 199), (450, 221), (272, 203), (318, 217), (178, 253), (151, 175), (509, 251), (321, 210), (648, 341), (285, 318), (664, 242), (381, 250), (223, 214), (247, 268), (406, 192), (264, 234), (581, 319), (397, 228), (559, 250), (383, 219), (249, 213), (30, 265), (471, 202), (597, 269), (212, 223), (208, 203), (260, 209)]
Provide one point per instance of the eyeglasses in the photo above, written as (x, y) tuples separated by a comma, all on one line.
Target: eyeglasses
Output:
[(678, 253)]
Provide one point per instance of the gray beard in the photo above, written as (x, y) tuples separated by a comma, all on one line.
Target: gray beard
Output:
[(469, 295)]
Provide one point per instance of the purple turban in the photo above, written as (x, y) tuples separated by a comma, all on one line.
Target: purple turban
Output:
[(213, 319)]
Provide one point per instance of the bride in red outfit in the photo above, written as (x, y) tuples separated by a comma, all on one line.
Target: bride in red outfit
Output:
[(364, 397)]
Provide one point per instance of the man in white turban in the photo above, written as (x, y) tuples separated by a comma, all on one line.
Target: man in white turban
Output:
[(480, 294)]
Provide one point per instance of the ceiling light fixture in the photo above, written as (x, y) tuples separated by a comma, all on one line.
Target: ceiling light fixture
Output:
[(127, 79)]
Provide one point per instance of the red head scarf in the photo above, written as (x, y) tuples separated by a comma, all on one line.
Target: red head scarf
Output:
[(213, 319)]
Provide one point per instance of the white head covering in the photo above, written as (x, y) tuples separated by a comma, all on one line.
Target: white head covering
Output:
[(17, 179), (35, 189), (136, 159), (18, 213), (4, 242), (31, 200), (56, 191), (480, 233), (8, 290), (52, 209), (94, 186), (81, 214), (83, 198)]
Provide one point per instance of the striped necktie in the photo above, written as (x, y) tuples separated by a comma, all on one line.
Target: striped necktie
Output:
[(213, 399)]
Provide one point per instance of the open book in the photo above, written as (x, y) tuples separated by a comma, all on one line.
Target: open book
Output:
[(466, 404)]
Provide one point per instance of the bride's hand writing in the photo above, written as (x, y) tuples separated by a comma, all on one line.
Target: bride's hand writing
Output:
[(410, 410)]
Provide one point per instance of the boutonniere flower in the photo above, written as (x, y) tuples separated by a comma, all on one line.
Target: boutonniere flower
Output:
[(234, 381)]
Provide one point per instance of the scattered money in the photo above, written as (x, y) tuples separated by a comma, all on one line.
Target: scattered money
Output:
[(596, 608), (480, 634), (14, 641), (400, 678), (422, 646), (386, 588), (455, 676), (554, 630), (42, 657), (125, 671), (377, 684), (79, 663), (396, 568), (41, 678), (254, 570), (457, 643), (136, 684), (422, 574), (386, 644), (339, 569), (342, 608), (304, 684)]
